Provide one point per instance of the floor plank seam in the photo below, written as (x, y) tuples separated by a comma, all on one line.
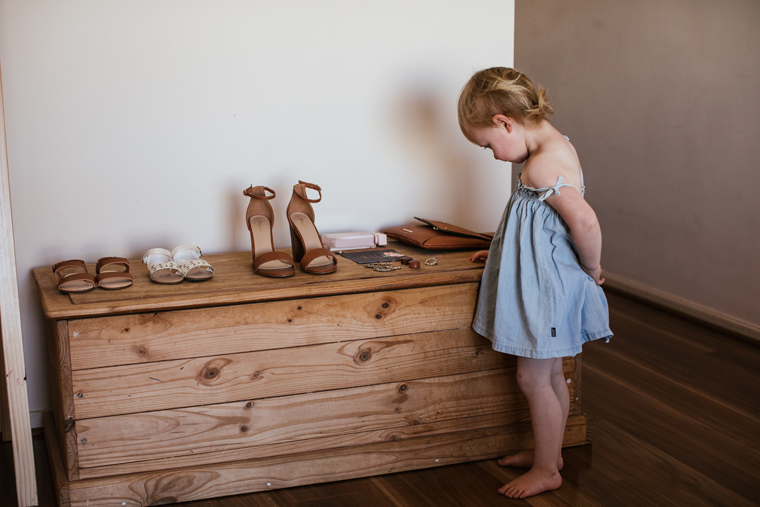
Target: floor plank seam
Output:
[(680, 384)]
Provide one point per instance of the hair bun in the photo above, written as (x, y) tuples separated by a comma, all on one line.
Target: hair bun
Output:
[(542, 107)]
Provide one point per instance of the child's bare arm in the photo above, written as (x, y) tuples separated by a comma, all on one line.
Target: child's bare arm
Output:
[(574, 210), (584, 229)]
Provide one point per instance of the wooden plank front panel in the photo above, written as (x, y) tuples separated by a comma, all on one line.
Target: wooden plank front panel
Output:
[(222, 455), (144, 338), (238, 377), (292, 424), (297, 447), (232, 478), (213, 428)]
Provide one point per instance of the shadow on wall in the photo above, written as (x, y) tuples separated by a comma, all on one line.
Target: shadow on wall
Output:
[(428, 130), (235, 219)]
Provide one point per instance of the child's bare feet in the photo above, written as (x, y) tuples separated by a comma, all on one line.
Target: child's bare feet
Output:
[(532, 483), (523, 459)]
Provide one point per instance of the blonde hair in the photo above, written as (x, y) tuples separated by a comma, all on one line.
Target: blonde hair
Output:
[(501, 90)]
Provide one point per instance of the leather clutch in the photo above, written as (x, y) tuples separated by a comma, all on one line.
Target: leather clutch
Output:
[(435, 235)]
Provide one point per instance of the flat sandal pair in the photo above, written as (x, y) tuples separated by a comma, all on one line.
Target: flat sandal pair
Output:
[(111, 273)]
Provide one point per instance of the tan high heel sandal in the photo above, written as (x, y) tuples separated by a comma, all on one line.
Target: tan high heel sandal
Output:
[(305, 239), (260, 220)]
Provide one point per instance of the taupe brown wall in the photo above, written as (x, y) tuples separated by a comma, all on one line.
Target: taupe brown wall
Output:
[(662, 100)]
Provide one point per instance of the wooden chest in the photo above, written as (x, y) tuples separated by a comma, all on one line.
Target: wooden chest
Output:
[(167, 394)]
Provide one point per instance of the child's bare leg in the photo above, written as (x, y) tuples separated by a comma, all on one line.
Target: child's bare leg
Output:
[(535, 379), (559, 385), (524, 459)]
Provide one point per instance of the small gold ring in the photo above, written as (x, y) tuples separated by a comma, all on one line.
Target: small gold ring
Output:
[(431, 261)]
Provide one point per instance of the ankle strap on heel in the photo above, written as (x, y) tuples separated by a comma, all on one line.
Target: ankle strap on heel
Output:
[(300, 190), (251, 192)]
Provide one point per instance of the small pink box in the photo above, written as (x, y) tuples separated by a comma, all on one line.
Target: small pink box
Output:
[(381, 239), (348, 240)]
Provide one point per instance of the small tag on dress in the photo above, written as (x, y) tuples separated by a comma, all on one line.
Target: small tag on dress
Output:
[(554, 332)]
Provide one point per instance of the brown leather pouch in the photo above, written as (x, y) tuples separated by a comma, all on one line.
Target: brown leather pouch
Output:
[(434, 235)]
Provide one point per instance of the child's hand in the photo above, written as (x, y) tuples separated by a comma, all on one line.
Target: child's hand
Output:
[(479, 256), (596, 274)]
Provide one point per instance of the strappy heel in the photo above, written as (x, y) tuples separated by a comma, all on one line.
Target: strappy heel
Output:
[(305, 239), (260, 220)]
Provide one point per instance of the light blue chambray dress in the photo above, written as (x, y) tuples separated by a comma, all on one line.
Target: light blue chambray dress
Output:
[(535, 300)]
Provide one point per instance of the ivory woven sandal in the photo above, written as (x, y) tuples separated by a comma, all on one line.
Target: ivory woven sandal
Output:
[(190, 264), (72, 276), (162, 267), (113, 273)]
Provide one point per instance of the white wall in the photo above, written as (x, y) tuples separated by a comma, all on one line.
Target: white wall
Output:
[(138, 124)]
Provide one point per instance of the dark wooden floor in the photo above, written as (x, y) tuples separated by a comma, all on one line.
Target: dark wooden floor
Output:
[(676, 422)]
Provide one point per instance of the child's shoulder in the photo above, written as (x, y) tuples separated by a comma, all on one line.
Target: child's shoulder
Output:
[(544, 168)]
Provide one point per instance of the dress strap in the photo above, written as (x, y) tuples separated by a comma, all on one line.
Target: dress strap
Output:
[(545, 192), (583, 185)]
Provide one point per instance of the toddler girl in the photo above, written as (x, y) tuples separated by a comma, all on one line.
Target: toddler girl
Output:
[(539, 297)]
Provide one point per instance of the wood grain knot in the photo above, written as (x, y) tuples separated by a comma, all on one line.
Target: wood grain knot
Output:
[(141, 351), (364, 356), (378, 316), (402, 388), (386, 305), (249, 404), (212, 371), (243, 429)]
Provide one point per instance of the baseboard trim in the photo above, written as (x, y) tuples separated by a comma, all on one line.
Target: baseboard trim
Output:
[(35, 417), (695, 311)]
